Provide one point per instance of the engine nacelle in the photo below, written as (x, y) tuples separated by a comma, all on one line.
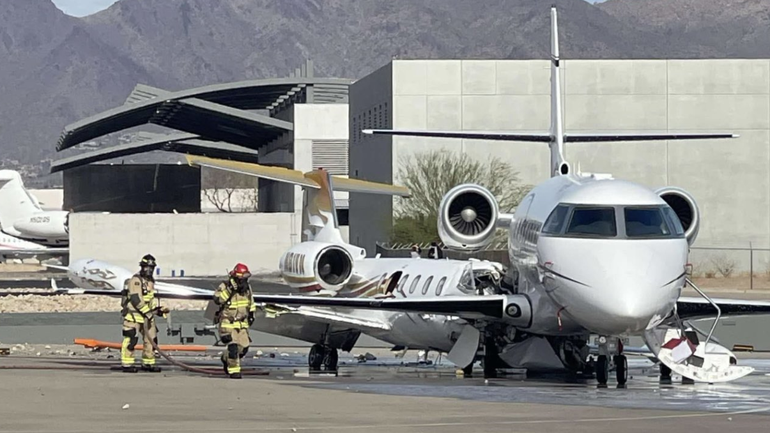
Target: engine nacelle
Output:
[(316, 266), (685, 208), (517, 310), (468, 217), (45, 225)]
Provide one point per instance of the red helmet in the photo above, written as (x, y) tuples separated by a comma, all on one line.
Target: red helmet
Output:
[(240, 271)]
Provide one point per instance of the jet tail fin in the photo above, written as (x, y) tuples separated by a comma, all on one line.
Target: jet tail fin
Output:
[(319, 221), (15, 201)]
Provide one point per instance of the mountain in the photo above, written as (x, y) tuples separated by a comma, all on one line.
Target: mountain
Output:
[(56, 69)]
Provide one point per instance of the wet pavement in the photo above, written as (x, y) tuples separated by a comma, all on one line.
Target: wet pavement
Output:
[(386, 394)]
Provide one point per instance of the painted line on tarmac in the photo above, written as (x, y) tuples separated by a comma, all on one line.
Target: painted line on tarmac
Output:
[(408, 425)]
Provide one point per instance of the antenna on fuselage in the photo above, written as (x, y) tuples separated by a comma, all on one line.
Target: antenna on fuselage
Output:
[(558, 165)]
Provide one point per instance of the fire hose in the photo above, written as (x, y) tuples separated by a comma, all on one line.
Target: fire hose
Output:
[(190, 368)]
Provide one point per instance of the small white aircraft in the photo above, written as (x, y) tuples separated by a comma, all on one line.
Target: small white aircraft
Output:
[(22, 217)]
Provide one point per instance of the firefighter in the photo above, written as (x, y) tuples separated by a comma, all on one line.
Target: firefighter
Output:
[(139, 306), (235, 315)]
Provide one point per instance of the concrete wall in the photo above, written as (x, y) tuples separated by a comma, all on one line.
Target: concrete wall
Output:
[(200, 244), (730, 179), (50, 199), (371, 106)]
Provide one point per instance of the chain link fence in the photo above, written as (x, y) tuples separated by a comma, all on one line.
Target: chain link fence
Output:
[(728, 268)]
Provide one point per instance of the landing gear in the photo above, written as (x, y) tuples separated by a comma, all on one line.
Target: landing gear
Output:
[(331, 359), (665, 374), (491, 357), (602, 370), (621, 369), (316, 357), (319, 355), (609, 346)]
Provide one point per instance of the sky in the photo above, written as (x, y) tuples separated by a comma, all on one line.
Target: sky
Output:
[(81, 8)]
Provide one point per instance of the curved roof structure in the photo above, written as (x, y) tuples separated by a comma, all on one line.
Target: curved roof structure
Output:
[(182, 143), (219, 120), (222, 105)]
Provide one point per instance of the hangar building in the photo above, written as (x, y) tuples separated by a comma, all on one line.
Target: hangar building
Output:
[(730, 179), (125, 211)]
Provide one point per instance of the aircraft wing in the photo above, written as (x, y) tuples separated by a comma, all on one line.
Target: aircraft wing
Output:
[(693, 308), (467, 307), (326, 316)]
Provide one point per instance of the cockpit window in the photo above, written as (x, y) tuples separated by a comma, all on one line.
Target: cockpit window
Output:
[(593, 222), (652, 222), (673, 220), (555, 222)]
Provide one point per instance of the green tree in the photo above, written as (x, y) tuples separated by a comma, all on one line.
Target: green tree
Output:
[(430, 175)]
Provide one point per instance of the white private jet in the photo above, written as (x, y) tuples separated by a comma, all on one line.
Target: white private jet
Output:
[(22, 217), (590, 255), (325, 266)]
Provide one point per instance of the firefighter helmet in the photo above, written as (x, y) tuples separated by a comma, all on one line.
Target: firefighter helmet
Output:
[(240, 271), (148, 260)]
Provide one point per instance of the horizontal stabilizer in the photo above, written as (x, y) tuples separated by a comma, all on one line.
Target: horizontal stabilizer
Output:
[(546, 138), (278, 174), (471, 135), (296, 177), (593, 138)]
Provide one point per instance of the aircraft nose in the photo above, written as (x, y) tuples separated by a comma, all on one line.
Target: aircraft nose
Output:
[(632, 306), (616, 286)]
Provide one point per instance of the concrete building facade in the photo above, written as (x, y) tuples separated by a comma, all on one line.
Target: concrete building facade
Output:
[(197, 244), (730, 179)]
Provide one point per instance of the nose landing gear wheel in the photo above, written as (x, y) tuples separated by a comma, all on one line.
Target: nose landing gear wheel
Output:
[(621, 369), (316, 357), (602, 369)]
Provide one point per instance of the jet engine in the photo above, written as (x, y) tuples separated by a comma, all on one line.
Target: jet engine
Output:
[(685, 208), (468, 217), (316, 266)]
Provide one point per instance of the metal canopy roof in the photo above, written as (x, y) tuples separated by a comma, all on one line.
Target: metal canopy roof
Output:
[(182, 143), (222, 120)]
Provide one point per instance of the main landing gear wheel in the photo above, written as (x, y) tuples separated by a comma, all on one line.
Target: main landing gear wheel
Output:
[(602, 369), (316, 357), (331, 359), (621, 369)]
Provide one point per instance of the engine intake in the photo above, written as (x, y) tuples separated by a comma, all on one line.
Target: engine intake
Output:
[(315, 266), (468, 217), (685, 208)]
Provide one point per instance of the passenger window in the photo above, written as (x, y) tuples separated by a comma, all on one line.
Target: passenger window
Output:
[(645, 222), (402, 283), (426, 285), (593, 222), (414, 284), (440, 286), (673, 220), (555, 222)]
